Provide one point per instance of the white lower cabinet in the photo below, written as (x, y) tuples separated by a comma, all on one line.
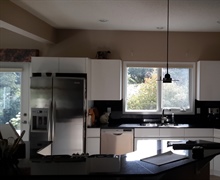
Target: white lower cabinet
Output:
[(216, 170), (93, 141)]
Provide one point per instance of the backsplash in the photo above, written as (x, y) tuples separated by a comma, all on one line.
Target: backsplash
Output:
[(117, 116)]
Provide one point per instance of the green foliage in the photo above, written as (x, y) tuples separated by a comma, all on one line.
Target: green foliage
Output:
[(146, 96), (137, 75), (10, 93), (16, 121)]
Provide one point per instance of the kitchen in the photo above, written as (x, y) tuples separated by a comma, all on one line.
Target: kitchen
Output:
[(189, 46)]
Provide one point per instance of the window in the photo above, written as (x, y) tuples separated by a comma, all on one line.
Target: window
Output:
[(144, 93)]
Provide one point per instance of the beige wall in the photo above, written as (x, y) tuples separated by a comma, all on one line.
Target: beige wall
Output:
[(140, 46), (22, 22), (143, 46)]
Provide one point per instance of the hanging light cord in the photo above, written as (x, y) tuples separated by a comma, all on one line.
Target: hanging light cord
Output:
[(167, 33)]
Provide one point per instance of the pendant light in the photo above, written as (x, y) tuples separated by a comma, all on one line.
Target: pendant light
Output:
[(167, 78)]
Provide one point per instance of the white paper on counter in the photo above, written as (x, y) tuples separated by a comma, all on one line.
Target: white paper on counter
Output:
[(164, 158)]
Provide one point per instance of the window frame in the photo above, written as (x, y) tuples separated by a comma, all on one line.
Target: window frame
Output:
[(148, 64)]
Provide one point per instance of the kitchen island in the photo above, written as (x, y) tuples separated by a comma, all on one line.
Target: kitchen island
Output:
[(132, 165)]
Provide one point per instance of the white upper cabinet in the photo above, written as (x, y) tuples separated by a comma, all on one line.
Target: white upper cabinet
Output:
[(106, 79), (208, 86), (59, 64), (44, 64), (73, 65)]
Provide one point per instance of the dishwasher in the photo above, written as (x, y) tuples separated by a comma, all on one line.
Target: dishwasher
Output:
[(116, 141)]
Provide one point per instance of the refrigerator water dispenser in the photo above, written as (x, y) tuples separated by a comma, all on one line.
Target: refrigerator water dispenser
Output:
[(39, 119)]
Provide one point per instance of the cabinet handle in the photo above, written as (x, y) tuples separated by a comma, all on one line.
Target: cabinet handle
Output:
[(117, 134)]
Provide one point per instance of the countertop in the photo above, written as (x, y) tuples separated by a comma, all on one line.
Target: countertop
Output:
[(131, 164), (152, 125)]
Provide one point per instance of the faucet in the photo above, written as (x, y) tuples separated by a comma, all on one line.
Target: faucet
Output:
[(164, 118), (162, 113)]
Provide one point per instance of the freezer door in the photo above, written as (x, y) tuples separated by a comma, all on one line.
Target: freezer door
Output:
[(40, 110), (41, 92), (68, 115)]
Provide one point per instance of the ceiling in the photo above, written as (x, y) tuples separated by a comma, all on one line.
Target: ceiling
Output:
[(129, 15)]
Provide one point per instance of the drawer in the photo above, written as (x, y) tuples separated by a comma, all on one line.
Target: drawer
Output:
[(199, 132), (146, 132), (169, 132)]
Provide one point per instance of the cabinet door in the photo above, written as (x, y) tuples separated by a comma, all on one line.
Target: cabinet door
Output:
[(72, 65), (93, 141), (140, 144), (106, 77), (44, 64), (93, 145), (208, 75)]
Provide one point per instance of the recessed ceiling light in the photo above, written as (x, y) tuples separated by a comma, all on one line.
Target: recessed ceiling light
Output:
[(103, 20)]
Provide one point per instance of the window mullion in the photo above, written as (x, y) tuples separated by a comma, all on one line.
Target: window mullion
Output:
[(159, 90)]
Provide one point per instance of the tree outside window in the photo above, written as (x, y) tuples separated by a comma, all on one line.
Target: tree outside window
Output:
[(10, 98)]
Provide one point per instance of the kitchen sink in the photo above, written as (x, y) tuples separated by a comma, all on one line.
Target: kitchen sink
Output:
[(173, 125), (168, 125), (149, 124)]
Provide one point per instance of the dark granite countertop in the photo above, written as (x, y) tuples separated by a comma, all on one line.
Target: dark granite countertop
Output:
[(153, 125)]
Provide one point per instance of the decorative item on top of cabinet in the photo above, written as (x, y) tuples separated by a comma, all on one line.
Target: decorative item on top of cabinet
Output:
[(102, 54), (106, 79)]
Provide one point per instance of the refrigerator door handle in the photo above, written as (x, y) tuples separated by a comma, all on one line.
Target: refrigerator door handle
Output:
[(50, 123), (53, 119)]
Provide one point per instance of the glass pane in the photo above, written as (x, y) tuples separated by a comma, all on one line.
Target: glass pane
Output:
[(175, 95), (10, 98), (141, 89)]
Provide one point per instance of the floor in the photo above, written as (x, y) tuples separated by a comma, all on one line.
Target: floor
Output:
[(214, 177)]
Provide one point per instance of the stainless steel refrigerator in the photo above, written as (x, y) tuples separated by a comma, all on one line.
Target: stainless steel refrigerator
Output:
[(58, 113)]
